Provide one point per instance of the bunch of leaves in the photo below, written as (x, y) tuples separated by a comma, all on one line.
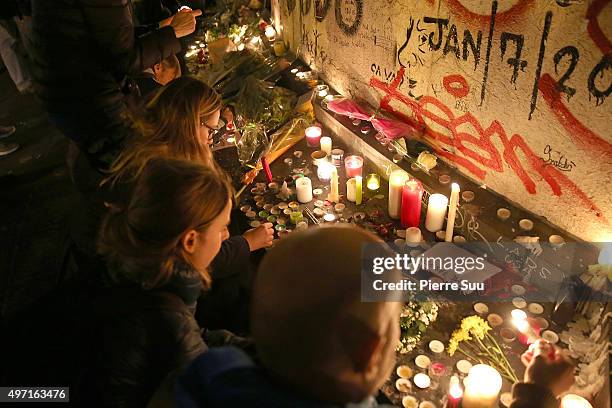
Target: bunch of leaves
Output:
[(261, 102)]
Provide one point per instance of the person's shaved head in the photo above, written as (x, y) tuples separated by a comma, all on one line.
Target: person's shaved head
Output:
[(311, 329)]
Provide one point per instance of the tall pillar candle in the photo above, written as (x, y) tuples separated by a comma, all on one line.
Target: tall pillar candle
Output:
[(481, 387), (351, 186), (412, 193), (334, 196), (358, 189), (397, 179), (326, 144), (452, 212), (303, 188), (436, 211)]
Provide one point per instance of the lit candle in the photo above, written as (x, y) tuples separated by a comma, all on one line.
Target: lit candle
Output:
[(303, 187), (422, 380), (334, 196), (436, 211), (326, 144), (324, 171), (412, 192), (519, 319), (351, 187), (482, 387), (397, 179), (358, 189), (574, 401), (322, 90), (455, 392), (373, 182), (452, 212), (313, 135), (353, 166), (270, 32)]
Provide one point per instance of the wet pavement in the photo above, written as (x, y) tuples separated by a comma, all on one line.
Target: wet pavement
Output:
[(36, 203)]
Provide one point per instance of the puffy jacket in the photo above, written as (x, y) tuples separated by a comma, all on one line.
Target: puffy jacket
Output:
[(144, 336), (83, 51)]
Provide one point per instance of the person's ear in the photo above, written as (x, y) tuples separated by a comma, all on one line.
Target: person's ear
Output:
[(189, 241), (157, 68), (363, 346)]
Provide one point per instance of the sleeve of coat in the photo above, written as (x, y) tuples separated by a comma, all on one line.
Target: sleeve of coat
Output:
[(233, 257), (525, 395), (111, 24)]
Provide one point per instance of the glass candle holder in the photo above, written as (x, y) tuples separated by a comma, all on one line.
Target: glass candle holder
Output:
[(373, 182), (336, 156), (412, 193), (313, 135), (322, 90), (324, 171), (353, 166)]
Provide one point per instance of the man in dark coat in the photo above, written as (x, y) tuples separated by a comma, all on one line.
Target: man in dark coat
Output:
[(83, 51)]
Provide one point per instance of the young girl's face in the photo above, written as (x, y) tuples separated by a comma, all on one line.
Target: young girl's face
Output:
[(205, 244), (207, 127)]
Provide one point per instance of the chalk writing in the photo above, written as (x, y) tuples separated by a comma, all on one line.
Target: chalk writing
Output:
[(557, 159)]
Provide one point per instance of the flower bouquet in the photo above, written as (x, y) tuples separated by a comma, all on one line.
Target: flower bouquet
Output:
[(473, 340), (414, 320)]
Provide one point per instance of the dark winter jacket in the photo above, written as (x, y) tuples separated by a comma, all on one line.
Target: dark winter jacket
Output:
[(145, 335), (83, 51), (525, 395)]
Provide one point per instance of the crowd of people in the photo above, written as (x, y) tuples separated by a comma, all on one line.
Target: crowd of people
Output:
[(183, 317)]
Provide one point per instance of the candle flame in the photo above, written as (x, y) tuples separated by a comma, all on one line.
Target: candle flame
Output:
[(455, 389)]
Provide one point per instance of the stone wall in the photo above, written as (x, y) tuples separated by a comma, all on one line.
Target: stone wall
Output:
[(514, 92)]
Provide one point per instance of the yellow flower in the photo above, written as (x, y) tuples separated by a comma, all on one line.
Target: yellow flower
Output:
[(476, 326)]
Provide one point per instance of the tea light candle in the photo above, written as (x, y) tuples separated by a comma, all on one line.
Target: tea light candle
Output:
[(452, 212), (436, 211), (353, 166), (574, 401), (351, 190), (397, 179), (329, 217), (358, 189), (337, 155), (412, 192), (403, 371), (322, 90), (373, 182), (296, 216), (422, 361), (463, 366), (413, 235), (303, 187), (313, 135), (334, 195), (326, 144), (270, 32), (324, 171), (422, 380), (482, 387)]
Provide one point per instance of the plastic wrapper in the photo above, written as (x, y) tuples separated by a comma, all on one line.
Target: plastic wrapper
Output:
[(262, 102)]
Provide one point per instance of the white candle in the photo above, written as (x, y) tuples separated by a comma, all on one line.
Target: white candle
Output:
[(303, 187), (413, 235), (334, 196), (452, 212), (436, 210), (422, 380), (326, 144), (397, 179), (482, 387), (324, 171), (351, 188), (270, 32), (574, 401)]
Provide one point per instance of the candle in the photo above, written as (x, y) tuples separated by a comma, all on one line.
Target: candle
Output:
[(373, 182), (358, 189), (413, 235), (397, 179), (519, 319), (422, 380), (266, 167), (482, 387), (313, 135), (303, 187), (296, 216), (322, 90), (436, 211), (337, 155), (326, 144), (455, 392), (351, 186), (452, 212), (353, 166), (279, 48), (324, 171), (334, 196), (412, 192), (574, 401), (270, 32)]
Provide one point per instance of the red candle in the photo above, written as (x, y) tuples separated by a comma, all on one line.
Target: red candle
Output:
[(313, 135), (412, 192), (266, 167), (353, 166)]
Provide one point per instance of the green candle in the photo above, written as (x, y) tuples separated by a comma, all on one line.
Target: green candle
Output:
[(358, 189), (296, 216)]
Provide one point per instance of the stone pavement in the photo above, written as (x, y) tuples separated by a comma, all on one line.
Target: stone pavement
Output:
[(36, 203)]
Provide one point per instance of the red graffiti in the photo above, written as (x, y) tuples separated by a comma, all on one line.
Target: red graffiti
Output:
[(465, 131), (456, 85), (579, 133), (507, 17), (595, 31)]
